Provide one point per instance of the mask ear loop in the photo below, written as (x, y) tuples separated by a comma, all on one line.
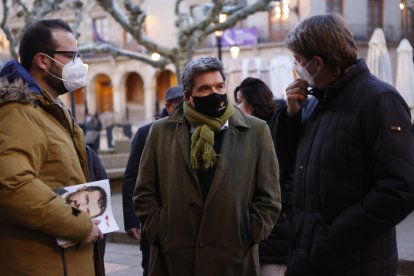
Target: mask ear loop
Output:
[(61, 64), (314, 75), (53, 75)]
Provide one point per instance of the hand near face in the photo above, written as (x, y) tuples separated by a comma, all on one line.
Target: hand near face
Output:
[(296, 93)]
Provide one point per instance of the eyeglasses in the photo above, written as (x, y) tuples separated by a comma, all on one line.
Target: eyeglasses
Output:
[(72, 54)]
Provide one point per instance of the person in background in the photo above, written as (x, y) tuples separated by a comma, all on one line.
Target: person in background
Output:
[(354, 170), (254, 97), (92, 127), (208, 183), (173, 98), (42, 149), (97, 172)]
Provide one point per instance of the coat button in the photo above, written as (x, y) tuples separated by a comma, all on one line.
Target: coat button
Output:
[(192, 204), (201, 244), (301, 167)]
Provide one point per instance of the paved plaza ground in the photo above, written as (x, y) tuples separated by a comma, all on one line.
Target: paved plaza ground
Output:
[(124, 259)]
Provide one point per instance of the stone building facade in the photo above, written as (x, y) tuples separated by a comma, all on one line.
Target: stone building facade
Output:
[(124, 90)]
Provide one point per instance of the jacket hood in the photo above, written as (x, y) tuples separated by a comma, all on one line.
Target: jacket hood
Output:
[(13, 70), (18, 91), (16, 84)]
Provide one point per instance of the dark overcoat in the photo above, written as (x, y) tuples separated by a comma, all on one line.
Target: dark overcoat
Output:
[(218, 235)]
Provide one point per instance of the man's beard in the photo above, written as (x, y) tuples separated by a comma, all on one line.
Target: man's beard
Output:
[(54, 82)]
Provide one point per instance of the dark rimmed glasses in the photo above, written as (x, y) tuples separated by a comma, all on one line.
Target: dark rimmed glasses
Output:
[(71, 54)]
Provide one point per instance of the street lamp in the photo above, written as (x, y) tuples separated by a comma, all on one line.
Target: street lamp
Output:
[(234, 51), (219, 34), (155, 56)]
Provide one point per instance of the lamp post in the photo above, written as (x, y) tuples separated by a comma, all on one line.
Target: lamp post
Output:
[(218, 43), (219, 34), (85, 102), (72, 104), (403, 7), (155, 57)]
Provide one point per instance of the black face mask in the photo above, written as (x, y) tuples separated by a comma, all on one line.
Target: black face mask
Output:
[(213, 105)]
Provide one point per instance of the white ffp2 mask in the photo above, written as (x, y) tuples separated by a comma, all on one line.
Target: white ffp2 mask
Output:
[(303, 74), (74, 74)]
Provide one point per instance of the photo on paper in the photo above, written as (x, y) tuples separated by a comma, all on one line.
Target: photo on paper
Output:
[(93, 198)]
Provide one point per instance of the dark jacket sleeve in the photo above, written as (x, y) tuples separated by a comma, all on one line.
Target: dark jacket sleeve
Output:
[(285, 133), (95, 168), (390, 145), (287, 139), (130, 177)]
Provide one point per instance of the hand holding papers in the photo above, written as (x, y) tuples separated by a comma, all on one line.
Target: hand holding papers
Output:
[(93, 198)]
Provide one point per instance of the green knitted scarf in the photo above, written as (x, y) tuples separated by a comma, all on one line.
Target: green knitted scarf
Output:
[(203, 155)]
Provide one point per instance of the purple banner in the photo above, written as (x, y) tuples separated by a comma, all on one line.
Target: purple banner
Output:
[(239, 37)]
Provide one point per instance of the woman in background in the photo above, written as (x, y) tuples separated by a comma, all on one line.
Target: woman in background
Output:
[(253, 97)]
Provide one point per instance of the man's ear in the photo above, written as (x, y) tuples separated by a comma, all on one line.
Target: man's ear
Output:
[(319, 62), (187, 96), (41, 61), (167, 107)]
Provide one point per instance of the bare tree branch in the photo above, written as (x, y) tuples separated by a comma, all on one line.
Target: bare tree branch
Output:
[(76, 6), (132, 18), (9, 34), (38, 11), (259, 5), (191, 36), (211, 17), (113, 9), (116, 51)]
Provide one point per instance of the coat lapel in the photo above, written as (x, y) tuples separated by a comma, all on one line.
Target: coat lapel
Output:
[(182, 135), (231, 138)]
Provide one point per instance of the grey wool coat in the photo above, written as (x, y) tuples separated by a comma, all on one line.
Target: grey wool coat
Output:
[(218, 235)]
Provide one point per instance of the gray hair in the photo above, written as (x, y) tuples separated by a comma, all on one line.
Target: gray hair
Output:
[(196, 66)]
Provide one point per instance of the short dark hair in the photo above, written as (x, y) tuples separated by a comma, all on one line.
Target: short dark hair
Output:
[(37, 38), (102, 201), (258, 95), (200, 65), (325, 36)]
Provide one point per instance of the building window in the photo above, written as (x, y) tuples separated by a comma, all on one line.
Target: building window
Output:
[(278, 20), (100, 29), (130, 43), (334, 6), (375, 15)]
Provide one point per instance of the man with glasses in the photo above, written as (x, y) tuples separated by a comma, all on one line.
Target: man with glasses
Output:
[(71, 54), (208, 183), (41, 149)]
